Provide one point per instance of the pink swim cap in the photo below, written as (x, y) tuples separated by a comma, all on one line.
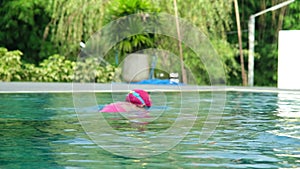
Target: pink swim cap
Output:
[(139, 97)]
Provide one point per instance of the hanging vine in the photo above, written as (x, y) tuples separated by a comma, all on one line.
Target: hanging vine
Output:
[(73, 21)]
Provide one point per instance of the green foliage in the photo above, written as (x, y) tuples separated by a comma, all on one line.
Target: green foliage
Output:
[(42, 28), (61, 25), (105, 74), (22, 27), (116, 11), (268, 75), (231, 66), (73, 21), (29, 72), (89, 70), (292, 17), (266, 35), (211, 17), (120, 8), (54, 69), (10, 65)]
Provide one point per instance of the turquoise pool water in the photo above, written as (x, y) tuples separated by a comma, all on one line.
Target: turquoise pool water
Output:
[(257, 130)]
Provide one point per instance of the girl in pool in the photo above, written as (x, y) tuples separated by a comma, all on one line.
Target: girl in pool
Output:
[(134, 109), (136, 100)]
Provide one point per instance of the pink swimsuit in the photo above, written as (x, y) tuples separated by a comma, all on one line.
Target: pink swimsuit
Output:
[(114, 108)]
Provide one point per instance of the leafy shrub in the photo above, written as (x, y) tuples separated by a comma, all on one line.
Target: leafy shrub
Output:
[(10, 65), (89, 71), (86, 70), (29, 72), (105, 74), (54, 69)]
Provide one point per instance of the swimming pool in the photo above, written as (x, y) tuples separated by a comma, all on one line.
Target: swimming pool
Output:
[(257, 130)]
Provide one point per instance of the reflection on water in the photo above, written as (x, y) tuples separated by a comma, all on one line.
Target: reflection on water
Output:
[(289, 113), (257, 130), (288, 124), (289, 105)]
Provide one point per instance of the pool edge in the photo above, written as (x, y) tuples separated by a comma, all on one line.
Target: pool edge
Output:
[(57, 87)]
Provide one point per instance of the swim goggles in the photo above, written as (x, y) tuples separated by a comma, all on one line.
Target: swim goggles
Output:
[(135, 94)]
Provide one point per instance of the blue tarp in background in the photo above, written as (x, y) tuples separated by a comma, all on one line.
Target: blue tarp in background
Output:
[(157, 82)]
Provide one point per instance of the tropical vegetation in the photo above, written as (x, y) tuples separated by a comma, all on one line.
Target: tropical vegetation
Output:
[(56, 68), (40, 38)]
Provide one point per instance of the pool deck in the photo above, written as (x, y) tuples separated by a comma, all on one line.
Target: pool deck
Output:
[(34, 87)]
